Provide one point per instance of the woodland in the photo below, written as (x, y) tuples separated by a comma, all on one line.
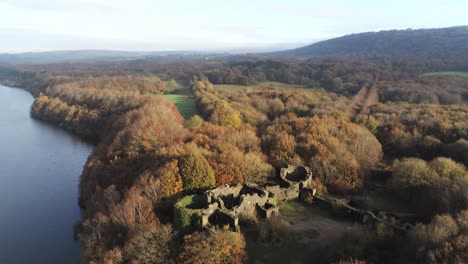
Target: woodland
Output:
[(252, 116)]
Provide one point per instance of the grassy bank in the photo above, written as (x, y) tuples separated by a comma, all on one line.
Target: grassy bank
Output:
[(449, 73), (184, 101)]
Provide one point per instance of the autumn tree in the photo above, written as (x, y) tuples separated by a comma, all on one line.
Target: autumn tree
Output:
[(194, 121), (280, 146), (220, 247), (229, 165), (443, 240), (161, 186), (151, 246), (155, 125), (338, 157), (276, 107), (223, 114), (257, 169), (135, 211), (439, 186), (196, 172), (457, 151), (447, 168)]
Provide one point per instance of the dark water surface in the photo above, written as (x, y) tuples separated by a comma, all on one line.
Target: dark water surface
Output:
[(40, 167)]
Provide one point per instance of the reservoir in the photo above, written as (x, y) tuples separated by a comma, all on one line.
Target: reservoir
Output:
[(40, 166)]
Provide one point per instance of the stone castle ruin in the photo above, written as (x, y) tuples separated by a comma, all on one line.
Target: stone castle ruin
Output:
[(223, 206)]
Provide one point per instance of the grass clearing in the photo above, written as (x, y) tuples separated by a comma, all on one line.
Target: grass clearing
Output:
[(384, 201), (311, 230), (447, 73), (297, 209), (232, 87), (272, 85), (279, 85), (290, 251), (184, 101)]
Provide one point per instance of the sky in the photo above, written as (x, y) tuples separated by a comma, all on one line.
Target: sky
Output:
[(208, 25)]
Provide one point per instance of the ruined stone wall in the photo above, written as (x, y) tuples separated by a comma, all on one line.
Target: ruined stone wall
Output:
[(248, 204), (212, 195), (282, 194), (364, 215), (225, 218), (224, 205), (296, 175)]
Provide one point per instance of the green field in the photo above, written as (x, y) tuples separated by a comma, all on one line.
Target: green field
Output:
[(449, 73), (274, 85), (232, 87), (278, 85), (184, 101)]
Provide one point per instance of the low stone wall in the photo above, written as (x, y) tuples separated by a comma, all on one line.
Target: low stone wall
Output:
[(188, 212), (365, 215)]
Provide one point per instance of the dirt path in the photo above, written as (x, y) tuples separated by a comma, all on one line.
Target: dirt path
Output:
[(365, 98)]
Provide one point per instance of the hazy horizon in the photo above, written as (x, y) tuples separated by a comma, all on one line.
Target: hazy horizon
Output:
[(234, 50), (207, 25)]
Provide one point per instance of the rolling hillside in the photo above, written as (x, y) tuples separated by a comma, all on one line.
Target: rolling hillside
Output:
[(444, 43), (86, 55)]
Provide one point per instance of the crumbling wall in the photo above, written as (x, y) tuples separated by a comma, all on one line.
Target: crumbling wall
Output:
[(293, 175), (207, 213), (268, 210), (248, 204), (282, 194), (224, 218), (212, 195), (188, 211)]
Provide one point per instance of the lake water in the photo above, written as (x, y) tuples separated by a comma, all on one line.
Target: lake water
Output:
[(40, 167)]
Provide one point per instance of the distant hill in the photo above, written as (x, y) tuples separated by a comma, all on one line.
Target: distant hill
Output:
[(446, 44), (443, 43), (82, 55)]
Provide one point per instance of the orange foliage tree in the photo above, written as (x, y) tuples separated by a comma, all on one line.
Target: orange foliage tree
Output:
[(337, 151), (196, 172), (222, 247)]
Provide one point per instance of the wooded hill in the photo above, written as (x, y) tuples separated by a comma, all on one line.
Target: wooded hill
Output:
[(444, 43)]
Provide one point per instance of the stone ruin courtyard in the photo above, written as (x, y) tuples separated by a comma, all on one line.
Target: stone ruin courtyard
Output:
[(222, 207)]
